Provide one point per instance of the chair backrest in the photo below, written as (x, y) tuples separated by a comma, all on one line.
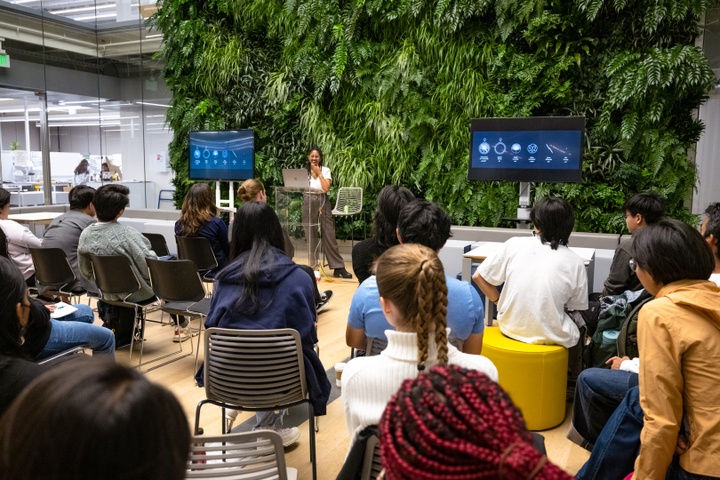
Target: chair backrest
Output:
[(375, 346), (349, 201), (175, 280), (52, 268), (371, 466), (255, 455), (114, 275), (254, 369), (158, 244), (198, 250)]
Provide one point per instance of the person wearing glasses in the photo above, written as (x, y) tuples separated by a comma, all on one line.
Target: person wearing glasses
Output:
[(600, 390), (640, 211), (668, 426)]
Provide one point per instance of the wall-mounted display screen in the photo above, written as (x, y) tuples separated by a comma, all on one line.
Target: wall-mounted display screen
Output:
[(533, 149), (222, 155)]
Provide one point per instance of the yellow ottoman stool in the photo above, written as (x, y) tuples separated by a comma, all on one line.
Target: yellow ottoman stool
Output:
[(535, 377)]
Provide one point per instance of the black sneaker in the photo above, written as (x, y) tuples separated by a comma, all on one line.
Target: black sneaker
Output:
[(341, 273), (324, 301)]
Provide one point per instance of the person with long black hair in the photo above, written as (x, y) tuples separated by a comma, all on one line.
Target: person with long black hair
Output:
[(317, 211), (262, 289)]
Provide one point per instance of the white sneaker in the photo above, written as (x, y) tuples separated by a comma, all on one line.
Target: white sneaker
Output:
[(289, 435), (230, 416)]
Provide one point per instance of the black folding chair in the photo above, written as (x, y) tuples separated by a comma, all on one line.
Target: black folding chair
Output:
[(159, 245), (199, 251), (53, 271), (178, 284), (115, 277)]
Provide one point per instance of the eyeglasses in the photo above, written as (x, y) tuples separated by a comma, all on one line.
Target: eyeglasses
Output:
[(632, 264)]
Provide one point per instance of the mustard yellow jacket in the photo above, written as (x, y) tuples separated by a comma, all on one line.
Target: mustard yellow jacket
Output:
[(679, 344)]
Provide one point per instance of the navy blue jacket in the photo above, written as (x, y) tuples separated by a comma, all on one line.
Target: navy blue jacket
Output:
[(286, 300)]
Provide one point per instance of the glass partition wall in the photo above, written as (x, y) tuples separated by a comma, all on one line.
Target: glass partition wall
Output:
[(81, 100)]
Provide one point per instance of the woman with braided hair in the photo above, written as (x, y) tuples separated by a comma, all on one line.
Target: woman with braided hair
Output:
[(453, 423), (413, 297)]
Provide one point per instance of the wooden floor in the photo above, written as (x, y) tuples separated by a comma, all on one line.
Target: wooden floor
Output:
[(333, 438)]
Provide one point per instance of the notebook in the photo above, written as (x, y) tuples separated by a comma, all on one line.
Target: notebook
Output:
[(295, 177)]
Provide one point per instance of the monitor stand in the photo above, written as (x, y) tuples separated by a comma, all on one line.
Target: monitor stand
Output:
[(523, 211), (226, 205)]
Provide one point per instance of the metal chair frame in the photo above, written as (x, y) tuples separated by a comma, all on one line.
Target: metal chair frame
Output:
[(256, 370), (349, 202), (178, 285), (114, 275)]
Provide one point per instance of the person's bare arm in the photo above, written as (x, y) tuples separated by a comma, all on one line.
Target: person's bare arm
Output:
[(473, 344), (488, 289), (355, 338)]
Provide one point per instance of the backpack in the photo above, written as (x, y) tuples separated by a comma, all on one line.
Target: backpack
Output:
[(614, 312), (627, 338)]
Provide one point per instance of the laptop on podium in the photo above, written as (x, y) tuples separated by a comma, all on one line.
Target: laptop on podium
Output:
[(295, 177)]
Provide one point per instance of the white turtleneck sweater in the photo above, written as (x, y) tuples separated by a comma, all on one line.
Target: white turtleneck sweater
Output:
[(368, 383)]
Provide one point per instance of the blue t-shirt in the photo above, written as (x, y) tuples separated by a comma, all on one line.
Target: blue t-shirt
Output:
[(464, 316)]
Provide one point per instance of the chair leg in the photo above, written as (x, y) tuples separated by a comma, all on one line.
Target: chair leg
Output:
[(197, 429), (313, 453), (197, 352)]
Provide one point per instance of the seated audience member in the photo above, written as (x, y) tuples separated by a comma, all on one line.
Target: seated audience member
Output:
[(109, 237), (390, 200), (198, 218), (453, 423), (427, 224), (671, 417), (19, 240), (262, 289), (30, 333), (253, 190), (640, 211), (542, 277), (64, 232), (414, 299), (599, 390), (15, 373), (99, 421)]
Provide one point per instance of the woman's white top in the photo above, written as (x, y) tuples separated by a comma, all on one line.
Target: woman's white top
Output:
[(368, 383), (315, 182)]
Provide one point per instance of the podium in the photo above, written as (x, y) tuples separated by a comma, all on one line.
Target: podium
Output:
[(299, 210)]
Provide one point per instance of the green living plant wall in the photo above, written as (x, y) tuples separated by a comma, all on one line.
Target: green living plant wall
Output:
[(388, 88)]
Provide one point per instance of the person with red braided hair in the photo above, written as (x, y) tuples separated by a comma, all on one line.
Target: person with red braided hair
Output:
[(453, 423), (413, 297)]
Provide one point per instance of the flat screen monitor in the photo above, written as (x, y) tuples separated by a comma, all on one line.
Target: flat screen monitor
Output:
[(222, 155), (532, 149)]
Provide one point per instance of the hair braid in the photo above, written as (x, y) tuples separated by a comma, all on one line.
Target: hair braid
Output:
[(454, 424), (412, 277)]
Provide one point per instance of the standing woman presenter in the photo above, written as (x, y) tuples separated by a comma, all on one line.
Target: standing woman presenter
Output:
[(317, 210)]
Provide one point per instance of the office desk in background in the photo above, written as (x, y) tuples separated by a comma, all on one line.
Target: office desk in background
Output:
[(484, 250), (34, 219)]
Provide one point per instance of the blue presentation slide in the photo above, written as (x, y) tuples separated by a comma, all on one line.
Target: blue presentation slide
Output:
[(222, 155), (539, 149)]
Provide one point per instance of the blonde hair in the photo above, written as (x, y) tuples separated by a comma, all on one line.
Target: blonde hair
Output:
[(249, 189), (197, 209), (412, 277)]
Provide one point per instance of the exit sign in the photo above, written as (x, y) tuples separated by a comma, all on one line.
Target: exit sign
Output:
[(5, 60)]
